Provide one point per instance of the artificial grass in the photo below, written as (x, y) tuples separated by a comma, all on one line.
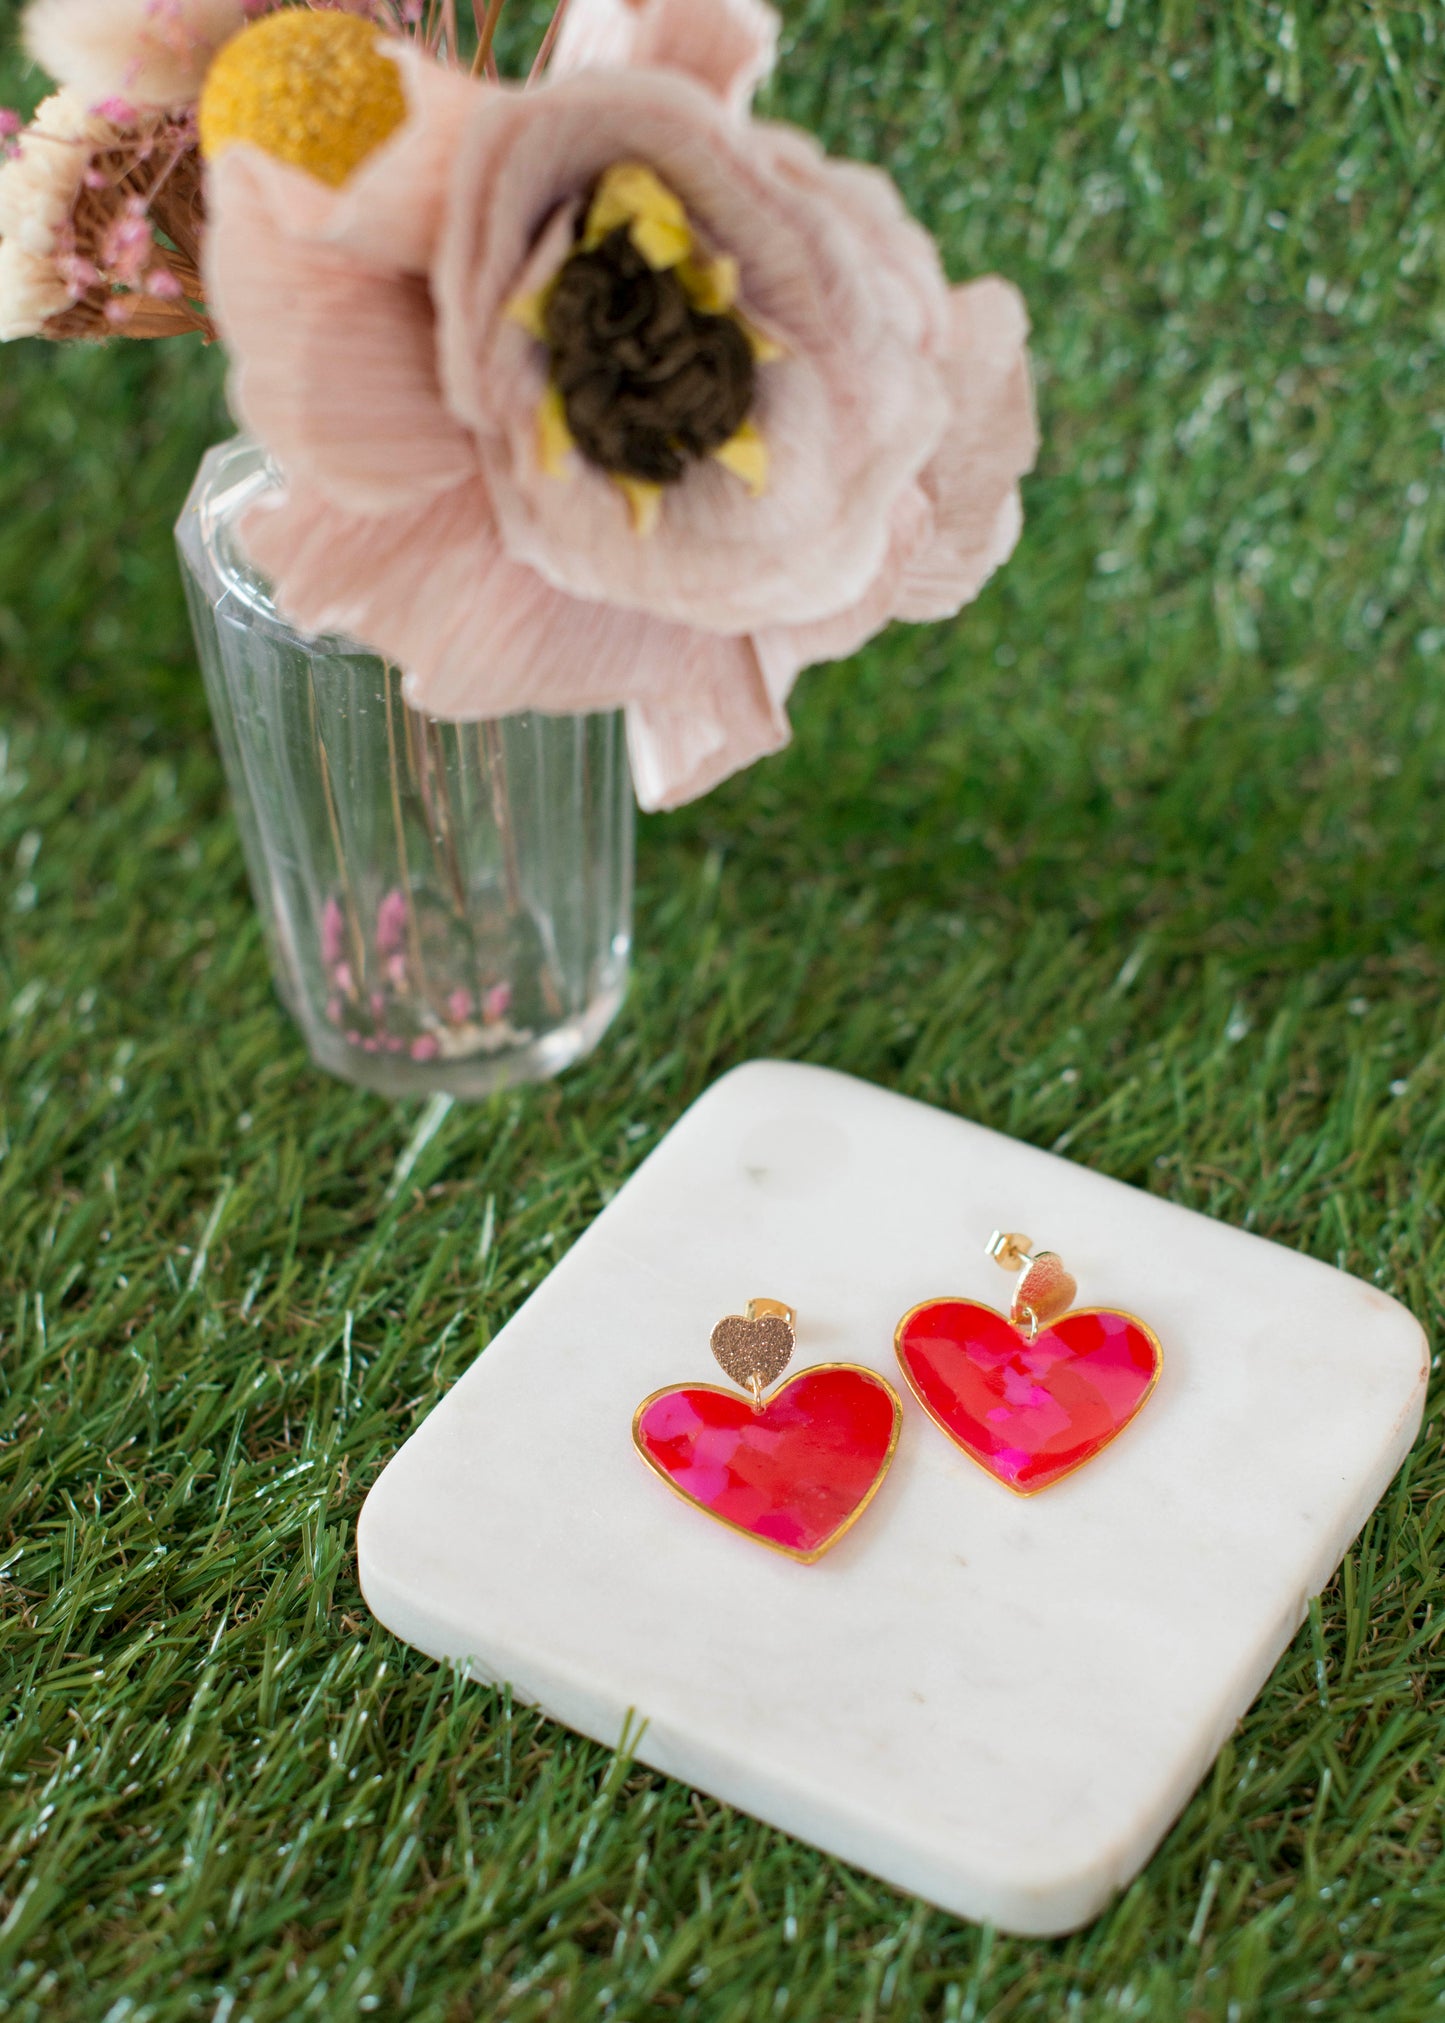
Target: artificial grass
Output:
[(1141, 859)]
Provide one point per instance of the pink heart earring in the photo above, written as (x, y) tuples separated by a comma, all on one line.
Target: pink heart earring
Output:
[(1034, 1395), (793, 1470)]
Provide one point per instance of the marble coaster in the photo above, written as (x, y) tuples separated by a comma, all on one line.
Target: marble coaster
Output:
[(998, 1704)]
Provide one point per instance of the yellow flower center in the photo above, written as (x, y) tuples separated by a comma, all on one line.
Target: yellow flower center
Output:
[(316, 90)]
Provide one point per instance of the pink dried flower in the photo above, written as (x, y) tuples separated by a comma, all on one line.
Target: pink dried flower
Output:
[(426, 1048), (128, 246), (391, 352), (333, 932), (391, 919), (79, 209), (77, 272), (459, 1006), (39, 187), (497, 1003)]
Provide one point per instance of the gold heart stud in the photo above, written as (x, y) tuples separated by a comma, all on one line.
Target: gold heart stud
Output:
[(754, 1348)]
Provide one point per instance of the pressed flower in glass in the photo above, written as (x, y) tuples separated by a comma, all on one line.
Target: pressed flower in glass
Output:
[(447, 906)]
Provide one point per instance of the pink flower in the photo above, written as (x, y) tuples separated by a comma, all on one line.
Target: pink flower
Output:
[(382, 354), (391, 918), (333, 932), (128, 246), (497, 1002), (459, 1006)]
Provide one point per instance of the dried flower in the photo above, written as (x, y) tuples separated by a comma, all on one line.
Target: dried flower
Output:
[(312, 89), (32, 289), (144, 53), (333, 932), (81, 205), (39, 187), (391, 920), (466, 411)]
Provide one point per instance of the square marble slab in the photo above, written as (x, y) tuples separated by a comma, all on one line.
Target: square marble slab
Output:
[(995, 1703)]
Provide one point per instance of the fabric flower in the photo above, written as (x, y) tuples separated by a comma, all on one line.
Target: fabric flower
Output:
[(151, 53), (38, 191), (758, 426)]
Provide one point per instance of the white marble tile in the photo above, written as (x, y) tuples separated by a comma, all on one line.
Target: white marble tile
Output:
[(997, 1703)]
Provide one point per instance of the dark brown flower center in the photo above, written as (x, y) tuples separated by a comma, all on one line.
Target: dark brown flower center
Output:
[(648, 383)]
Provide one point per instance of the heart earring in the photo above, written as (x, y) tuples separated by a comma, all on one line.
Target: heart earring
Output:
[(794, 1470), (1034, 1396)]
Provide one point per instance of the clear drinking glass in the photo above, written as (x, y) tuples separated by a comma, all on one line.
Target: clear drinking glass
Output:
[(448, 907)]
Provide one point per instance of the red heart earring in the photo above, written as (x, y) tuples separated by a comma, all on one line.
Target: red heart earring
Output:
[(794, 1470), (1034, 1396)]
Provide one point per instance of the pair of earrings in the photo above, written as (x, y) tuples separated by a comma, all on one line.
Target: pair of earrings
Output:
[(1030, 1396)]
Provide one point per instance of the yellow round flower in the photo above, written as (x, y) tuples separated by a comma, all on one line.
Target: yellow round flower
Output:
[(315, 90)]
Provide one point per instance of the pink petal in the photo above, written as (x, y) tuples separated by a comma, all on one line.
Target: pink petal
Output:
[(729, 712), (433, 590), (429, 588), (389, 212), (836, 637), (336, 366), (482, 636), (972, 483), (728, 46)]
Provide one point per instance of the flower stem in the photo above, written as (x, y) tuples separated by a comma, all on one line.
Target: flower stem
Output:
[(486, 36), (353, 919), (494, 767), (441, 815), (549, 41), (413, 934)]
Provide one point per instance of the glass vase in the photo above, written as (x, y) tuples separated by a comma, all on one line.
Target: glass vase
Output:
[(447, 907)]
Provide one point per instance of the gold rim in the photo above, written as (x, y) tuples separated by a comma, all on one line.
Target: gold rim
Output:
[(720, 1391), (1079, 1313)]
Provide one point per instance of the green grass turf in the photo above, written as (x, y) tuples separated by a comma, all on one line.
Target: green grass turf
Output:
[(1142, 859)]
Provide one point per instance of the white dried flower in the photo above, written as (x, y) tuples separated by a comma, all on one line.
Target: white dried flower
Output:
[(152, 53), (31, 292), (38, 184), (38, 191)]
